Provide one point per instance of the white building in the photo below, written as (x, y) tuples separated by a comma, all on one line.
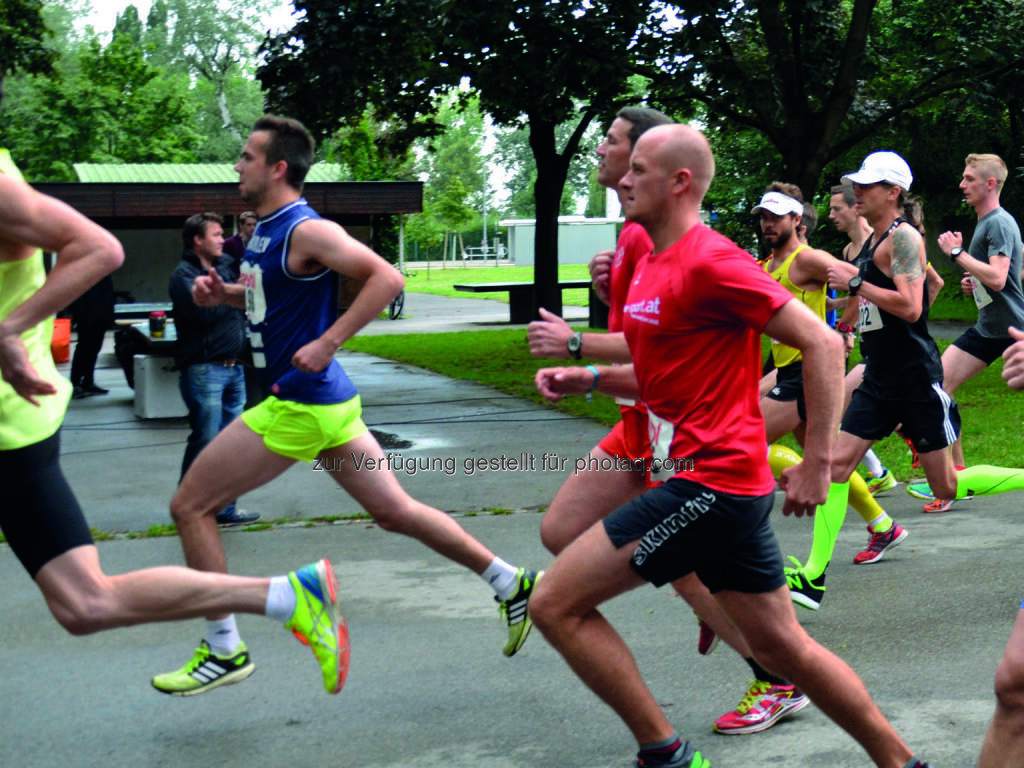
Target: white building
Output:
[(579, 238)]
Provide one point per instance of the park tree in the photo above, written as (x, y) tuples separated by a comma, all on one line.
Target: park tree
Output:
[(105, 104), (819, 79), (23, 45), (532, 63), (215, 45)]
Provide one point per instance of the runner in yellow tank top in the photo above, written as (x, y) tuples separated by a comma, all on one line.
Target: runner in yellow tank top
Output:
[(804, 272), (815, 300)]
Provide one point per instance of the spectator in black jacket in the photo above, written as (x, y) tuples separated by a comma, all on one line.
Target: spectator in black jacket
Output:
[(93, 313), (210, 340)]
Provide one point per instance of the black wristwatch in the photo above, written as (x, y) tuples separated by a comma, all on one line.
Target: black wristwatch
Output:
[(855, 283), (575, 345), (955, 253)]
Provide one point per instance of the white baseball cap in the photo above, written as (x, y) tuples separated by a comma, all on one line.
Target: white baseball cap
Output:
[(885, 167), (779, 204)]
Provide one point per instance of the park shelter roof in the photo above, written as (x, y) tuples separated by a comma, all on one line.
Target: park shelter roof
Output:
[(156, 196), (182, 173)]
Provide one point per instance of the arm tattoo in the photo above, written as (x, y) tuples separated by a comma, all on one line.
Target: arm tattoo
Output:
[(906, 255)]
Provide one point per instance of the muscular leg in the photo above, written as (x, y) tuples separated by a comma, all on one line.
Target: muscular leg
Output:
[(957, 367), (783, 646), (780, 418), (564, 608), (585, 497), (379, 493), (83, 599), (589, 495), (235, 462), (1004, 742)]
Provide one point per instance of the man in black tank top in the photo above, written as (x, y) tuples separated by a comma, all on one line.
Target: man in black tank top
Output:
[(903, 378)]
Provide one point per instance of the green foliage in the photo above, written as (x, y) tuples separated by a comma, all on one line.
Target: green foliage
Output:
[(23, 35), (176, 87), (107, 104), (533, 62), (824, 82)]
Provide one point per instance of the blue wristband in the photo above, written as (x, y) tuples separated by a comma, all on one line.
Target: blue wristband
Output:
[(597, 378)]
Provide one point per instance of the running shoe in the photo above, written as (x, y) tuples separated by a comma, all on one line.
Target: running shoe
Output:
[(687, 756), (762, 707), (915, 460), (884, 482), (939, 505), (206, 671), (513, 611), (921, 491), (924, 491), (318, 623), (707, 640), (807, 593), (879, 543)]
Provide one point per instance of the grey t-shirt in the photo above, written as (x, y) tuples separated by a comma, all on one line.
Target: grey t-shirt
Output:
[(997, 232)]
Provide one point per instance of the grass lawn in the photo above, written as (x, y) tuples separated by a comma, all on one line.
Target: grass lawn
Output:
[(440, 281), (993, 415)]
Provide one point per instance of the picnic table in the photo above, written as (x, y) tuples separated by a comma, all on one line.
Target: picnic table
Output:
[(520, 299)]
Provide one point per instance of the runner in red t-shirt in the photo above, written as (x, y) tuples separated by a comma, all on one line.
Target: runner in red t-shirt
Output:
[(693, 317), (618, 468)]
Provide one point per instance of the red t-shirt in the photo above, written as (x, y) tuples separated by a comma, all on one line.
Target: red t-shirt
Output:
[(693, 320), (634, 243)]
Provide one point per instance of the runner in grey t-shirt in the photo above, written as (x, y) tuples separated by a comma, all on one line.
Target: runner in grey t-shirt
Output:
[(993, 276)]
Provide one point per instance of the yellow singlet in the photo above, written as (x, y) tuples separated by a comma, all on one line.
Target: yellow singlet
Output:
[(814, 300)]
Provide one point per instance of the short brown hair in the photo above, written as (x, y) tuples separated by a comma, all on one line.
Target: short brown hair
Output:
[(196, 225), (291, 142), (991, 166)]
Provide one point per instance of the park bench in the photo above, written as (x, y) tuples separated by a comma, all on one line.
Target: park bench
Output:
[(520, 299)]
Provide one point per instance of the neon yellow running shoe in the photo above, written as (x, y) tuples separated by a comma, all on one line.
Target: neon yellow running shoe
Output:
[(206, 671), (514, 610), (317, 621)]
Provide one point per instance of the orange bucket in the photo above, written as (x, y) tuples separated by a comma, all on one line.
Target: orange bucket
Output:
[(60, 346)]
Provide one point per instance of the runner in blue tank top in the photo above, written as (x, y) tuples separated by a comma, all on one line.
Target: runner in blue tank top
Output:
[(313, 411)]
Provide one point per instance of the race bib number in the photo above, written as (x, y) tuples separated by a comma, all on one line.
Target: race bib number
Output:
[(981, 296), (251, 279), (660, 432), (870, 317)]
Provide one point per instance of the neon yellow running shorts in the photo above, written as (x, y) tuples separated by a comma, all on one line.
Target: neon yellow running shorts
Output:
[(301, 431)]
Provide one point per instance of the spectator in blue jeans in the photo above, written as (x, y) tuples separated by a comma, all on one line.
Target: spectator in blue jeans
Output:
[(210, 341)]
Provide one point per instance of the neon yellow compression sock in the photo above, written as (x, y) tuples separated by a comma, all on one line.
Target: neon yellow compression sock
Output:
[(828, 519), (986, 480), (780, 457), (866, 505)]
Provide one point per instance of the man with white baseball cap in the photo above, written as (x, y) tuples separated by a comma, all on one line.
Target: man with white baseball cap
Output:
[(879, 167), (903, 376), (803, 271)]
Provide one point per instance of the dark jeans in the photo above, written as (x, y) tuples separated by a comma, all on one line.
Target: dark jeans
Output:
[(214, 395)]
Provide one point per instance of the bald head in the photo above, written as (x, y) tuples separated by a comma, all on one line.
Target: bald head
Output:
[(676, 147), (670, 171)]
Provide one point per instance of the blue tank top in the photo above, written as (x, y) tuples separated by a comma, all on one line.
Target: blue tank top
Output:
[(287, 311)]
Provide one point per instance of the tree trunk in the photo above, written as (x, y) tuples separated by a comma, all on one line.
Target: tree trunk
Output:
[(551, 174)]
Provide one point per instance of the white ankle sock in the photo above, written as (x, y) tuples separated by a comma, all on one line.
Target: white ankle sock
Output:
[(280, 599), (502, 578), (872, 463), (222, 636)]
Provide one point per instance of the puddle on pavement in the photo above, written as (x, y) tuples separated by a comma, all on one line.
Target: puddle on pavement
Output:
[(389, 440)]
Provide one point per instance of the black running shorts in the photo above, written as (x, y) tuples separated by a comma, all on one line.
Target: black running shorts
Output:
[(789, 386), (39, 515), (985, 348), (930, 417), (681, 527)]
